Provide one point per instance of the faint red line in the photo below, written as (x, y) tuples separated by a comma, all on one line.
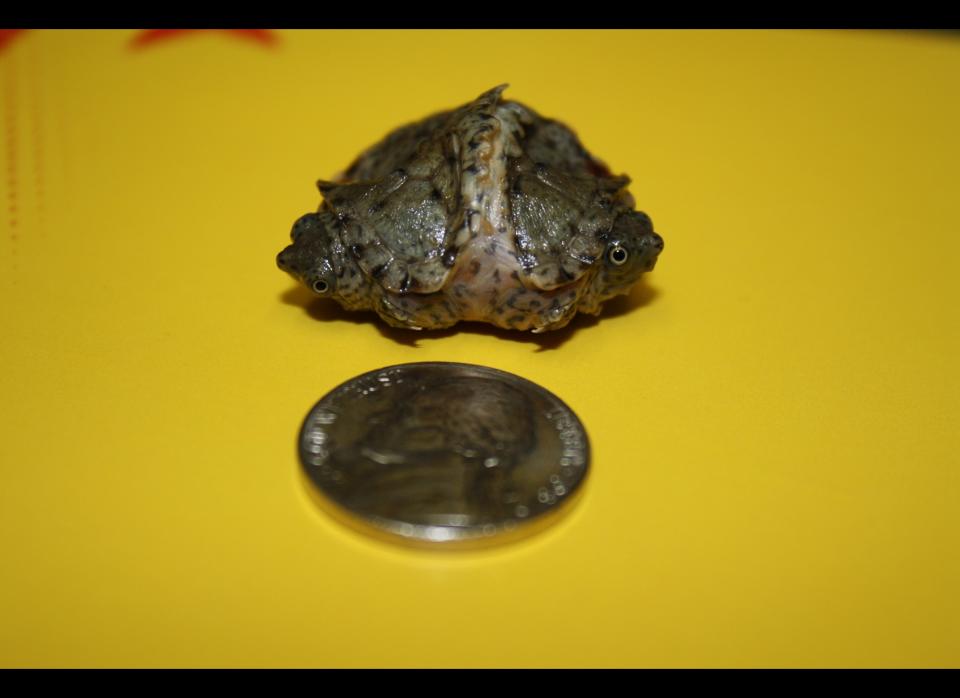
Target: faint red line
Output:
[(10, 132), (36, 131), (148, 37)]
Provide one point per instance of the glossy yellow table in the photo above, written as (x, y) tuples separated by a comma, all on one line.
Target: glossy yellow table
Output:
[(773, 414)]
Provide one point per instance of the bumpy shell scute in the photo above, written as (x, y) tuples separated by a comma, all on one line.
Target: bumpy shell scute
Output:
[(404, 226), (398, 227), (558, 219)]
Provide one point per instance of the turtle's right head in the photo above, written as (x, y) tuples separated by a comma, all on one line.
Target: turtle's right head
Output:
[(317, 259)]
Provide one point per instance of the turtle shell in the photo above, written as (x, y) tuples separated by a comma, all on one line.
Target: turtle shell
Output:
[(400, 204), (400, 207), (487, 212)]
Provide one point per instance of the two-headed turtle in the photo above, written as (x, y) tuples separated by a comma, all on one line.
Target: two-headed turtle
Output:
[(489, 212)]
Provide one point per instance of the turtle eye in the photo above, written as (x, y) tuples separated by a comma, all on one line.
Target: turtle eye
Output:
[(617, 255), (321, 286)]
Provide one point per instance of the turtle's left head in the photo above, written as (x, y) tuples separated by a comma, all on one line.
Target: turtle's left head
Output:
[(318, 259), (310, 258)]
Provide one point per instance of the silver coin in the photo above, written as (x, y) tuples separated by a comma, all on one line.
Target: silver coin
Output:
[(444, 454)]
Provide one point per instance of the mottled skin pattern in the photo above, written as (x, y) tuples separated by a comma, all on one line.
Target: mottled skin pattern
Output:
[(488, 212)]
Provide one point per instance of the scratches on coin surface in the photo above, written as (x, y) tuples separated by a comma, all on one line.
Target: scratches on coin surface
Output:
[(443, 453)]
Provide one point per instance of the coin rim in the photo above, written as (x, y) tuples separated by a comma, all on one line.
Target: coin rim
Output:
[(458, 537)]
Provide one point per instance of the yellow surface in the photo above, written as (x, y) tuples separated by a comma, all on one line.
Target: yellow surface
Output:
[(773, 416)]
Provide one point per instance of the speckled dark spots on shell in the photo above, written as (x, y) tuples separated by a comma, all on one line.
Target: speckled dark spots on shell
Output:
[(396, 223)]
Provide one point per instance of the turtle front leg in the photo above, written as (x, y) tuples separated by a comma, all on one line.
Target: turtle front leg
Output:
[(557, 314), (413, 311)]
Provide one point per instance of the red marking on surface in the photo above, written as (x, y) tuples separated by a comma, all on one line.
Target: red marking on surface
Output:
[(148, 37), (36, 134), (10, 114), (8, 35)]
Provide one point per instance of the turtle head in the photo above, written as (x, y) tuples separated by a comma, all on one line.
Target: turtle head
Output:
[(632, 248), (317, 259)]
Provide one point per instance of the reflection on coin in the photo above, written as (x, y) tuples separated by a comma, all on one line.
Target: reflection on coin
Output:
[(444, 453)]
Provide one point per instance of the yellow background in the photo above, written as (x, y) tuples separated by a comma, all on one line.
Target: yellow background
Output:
[(773, 414)]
